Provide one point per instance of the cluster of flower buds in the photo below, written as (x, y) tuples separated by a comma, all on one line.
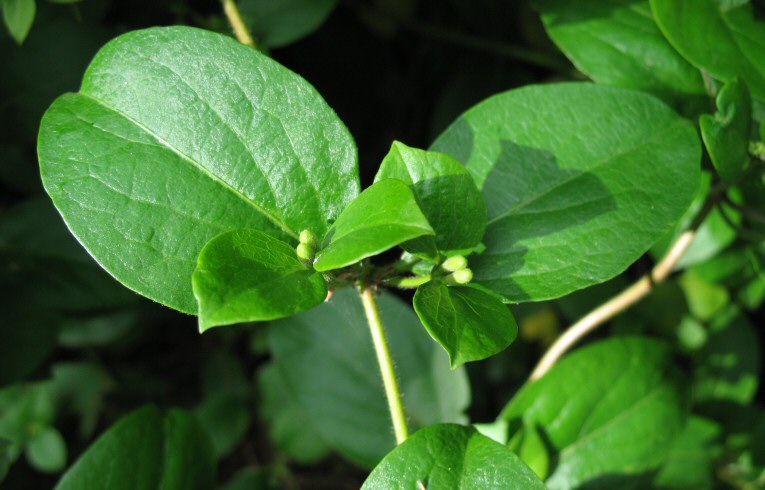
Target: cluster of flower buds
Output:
[(306, 249), (459, 273)]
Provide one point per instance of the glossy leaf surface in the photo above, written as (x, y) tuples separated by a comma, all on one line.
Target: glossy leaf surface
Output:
[(383, 216), (178, 135), (722, 37), (579, 181), (326, 359), (249, 276), (726, 134), (619, 393), (445, 192), (146, 450), (469, 323), (447, 456), (618, 43)]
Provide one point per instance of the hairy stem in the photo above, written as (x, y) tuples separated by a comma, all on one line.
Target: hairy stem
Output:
[(237, 23), (629, 296), (392, 392)]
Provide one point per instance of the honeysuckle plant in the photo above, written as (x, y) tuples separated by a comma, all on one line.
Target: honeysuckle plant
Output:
[(205, 176)]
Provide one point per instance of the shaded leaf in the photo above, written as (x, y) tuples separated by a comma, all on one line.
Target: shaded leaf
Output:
[(277, 23), (247, 276), (153, 450), (451, 456), (469, 323), (579, 181), (46, 451), (178, 135), (19, 16), (690, 464), (383, 216), (726, 134), (326, 359), (445, 192), (619, 393)]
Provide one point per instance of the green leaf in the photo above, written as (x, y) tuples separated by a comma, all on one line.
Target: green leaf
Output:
[(726, 134), (383, 216), (579, 180), (29, 336), (691, 460), (249, 276), (532, 449), (445, 192), (713, 236), (470, 324), (617, 42), (146, 450), (24, 409), (728, 366), (277, 23), (451, 456), (41, 261), (46, 451), (178, 135), (719, 36), (619, 393), (287, 419), (705, 299), (19, 16), (327, 361)]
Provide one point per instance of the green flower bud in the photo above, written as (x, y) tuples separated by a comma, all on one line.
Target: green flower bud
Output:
[(305, 253), (308, 237), (455, 263), (462, 276)]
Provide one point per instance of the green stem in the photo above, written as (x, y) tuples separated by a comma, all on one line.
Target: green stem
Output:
[(385, 361), (237, 23)]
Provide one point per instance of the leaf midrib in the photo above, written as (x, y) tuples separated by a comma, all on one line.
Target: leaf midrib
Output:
[(197, 165)]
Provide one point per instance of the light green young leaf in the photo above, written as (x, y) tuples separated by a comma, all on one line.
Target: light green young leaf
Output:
[(579, 181), (620, 393), (726, 134), (445, 192), (178, 135), (447, 456), (19, 16), (468, 323), (385, 215), (721, 37), (277, 23), (617, 42), (327, 361), (146, 450), (250, 276)]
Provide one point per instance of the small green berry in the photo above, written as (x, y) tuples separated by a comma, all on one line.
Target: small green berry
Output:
[(455, 263)]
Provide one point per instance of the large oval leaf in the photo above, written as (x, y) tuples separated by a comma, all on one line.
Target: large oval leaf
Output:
[(178, 135), (722, 37), (446, 456), (579, 181), (327, 361), (617, 42), (612, 409), (146, 450)]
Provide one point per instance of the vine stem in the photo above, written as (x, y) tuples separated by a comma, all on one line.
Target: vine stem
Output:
[(629, 296), (392, 392), (237, 23)]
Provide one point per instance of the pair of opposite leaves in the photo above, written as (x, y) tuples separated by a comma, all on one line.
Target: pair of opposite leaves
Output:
[(179, 136)]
